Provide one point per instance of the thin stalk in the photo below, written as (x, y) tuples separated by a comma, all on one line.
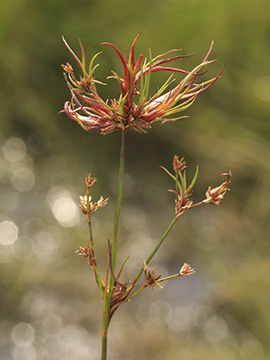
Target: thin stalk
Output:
[(169, 277), (108, 296), (97, 276), (198, 204), (136, 292), (89, 216), (104, 347), (119, 199), (90, 229), (105, 325), (105, 317), (157, 247)]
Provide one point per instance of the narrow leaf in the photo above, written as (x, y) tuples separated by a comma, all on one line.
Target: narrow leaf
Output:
[(132, 51), (91, 71), (167, 171), (72, 52), (193, 180), (83, 57), (124, 62)]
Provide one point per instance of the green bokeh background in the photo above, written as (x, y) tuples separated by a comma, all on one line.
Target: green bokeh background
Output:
[(49, 306)]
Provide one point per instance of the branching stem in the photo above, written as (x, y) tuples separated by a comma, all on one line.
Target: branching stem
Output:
[(108, 296), (169, 228)]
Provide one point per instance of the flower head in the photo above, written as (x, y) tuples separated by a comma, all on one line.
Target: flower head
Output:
[(186, 269), (89, 181), (150, 279), (88, 253), (178, 165), (87, 207), (183, 192), (214, 196), (94, 114)]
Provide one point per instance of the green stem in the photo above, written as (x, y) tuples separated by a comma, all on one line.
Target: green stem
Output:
[(104, 346), (157, 246), (169, 277), (136, 292), (105, 317), (108, 296), (99, 281), (119, 199), (105, 325), (117, 212)]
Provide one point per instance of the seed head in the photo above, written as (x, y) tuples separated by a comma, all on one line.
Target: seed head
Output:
[(89, 180), (186, 269), (150, 279), (215, 195), (89, 207), (88, 253), (178, 165)]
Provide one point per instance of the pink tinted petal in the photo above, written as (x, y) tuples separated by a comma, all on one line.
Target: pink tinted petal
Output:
[(124, 62), (132, 51), (72, 52)]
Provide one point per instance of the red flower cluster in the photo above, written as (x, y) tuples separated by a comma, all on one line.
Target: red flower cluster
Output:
[(94, 114)]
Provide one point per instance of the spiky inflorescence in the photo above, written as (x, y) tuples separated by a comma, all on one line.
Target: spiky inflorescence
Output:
[(94, 114)]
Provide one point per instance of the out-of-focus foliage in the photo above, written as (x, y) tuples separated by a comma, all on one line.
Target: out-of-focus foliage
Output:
[(49, 306)]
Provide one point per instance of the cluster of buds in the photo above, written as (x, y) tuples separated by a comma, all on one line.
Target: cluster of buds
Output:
[(153, 281), (150, 279), (88, 253), (89, 180), (214, 196), (186, 269), (183, 201), (87, 207), (182, 192), (94, 114)]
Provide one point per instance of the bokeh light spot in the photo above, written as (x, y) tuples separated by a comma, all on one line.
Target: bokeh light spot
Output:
[(216, 329), (45, 246), (8, 232), (181, 319), (65, 211), (63, 207), (23, 179), (252, 349), (23, 334), (160, 312), (14, 149), (27, 352)]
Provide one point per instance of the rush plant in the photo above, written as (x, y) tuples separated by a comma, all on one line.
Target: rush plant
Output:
[(135, 109)]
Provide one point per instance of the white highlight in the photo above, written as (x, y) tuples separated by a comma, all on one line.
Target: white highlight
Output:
[(23, 179), (8, 232), (14, 149), (63, 207)]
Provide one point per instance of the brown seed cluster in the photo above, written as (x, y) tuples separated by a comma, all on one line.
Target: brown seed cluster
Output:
[(88, 253), (150, 279)]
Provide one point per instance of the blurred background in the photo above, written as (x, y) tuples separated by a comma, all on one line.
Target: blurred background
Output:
[(49, 305)]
